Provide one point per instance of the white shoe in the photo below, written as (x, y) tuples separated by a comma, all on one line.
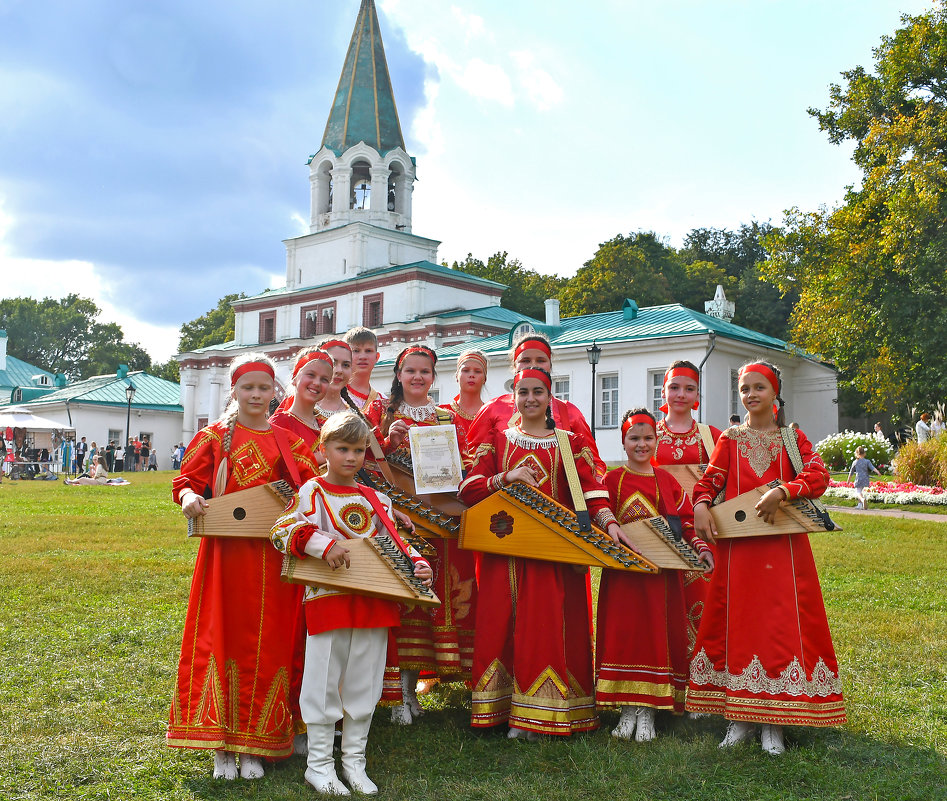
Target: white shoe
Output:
[(401, 715), (645, 733), (325, 783), (354, 743), (251, 767), (409, 692), (737, 732), (301, 744), (320, 764), (225, 765), (625, 729), (771, 738), (522, 734), (698, 715)]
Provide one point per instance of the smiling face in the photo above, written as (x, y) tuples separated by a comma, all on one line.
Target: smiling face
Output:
[(681, 393), (532, 400), (470, 376), (416, 375), (253, 393), (342, 367), (533, 357), (757, 395), (312, 381), (639, 443)]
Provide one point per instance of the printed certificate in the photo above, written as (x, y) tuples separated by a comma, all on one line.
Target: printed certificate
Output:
[(435, 456)]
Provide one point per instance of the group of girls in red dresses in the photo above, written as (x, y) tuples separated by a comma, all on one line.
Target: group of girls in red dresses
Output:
[(747, 638)]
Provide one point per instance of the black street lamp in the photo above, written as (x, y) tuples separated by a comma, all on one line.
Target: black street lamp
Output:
[(595, 353), (129, 395)]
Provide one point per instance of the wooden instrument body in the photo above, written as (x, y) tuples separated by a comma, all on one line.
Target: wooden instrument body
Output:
[(428, 521), (246, 513), (657, 542), (378, 568), (518, 520), (687, 475), (738, 517)]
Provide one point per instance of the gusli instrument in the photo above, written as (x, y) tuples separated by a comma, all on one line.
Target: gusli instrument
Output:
[(246, 513)]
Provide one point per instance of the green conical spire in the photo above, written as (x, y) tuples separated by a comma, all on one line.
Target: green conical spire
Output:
[(364, 108)]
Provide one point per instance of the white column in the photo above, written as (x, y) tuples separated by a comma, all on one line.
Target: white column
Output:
[(380, 192), (214, 409), (189, 423)]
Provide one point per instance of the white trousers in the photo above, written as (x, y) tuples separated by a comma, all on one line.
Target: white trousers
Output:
[(342, 676)]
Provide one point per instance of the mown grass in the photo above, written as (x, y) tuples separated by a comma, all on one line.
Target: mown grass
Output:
[(93, 586)]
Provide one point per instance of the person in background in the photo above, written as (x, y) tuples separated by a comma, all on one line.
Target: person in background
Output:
[(110, 455), (937, 427), (735, 419), (81, 450), (878, 433), (119, 459), (130, 455), (153, 459), (99, 474), (922, 429), (145, 454), (861, 468)]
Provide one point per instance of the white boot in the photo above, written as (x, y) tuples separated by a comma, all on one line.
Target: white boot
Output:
[(409, 692), (401, 715), (320, 764), (645, 733), (354, 742), (737, 732), (771, 738), (225, 765), (625, 729), (522, 734), (251, 767)]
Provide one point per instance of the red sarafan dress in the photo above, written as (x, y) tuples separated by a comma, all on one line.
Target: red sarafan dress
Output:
[(497, 415), (641, 650), (461, 419), (532, 662), (236, 665), (764, 652), (306, 432), (675, 448), (435, 642)]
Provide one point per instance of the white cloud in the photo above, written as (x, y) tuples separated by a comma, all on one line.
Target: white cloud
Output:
[(472, 25), (540, 86), (486, 81)]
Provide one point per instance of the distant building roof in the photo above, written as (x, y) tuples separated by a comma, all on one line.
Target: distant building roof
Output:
[(151, 392), (21, 374), (364, 107)]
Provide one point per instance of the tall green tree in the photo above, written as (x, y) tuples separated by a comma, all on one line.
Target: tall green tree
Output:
[(872, 273), (64, 336), (211, 328), (528, 289)]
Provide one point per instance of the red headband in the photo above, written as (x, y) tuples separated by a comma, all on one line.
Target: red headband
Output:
[(477, 357), (532, 343), (302, 361), (534, 372), (422, 349), (336, 343), (764, 371), (634, 420), (251, 367), (682, 372)]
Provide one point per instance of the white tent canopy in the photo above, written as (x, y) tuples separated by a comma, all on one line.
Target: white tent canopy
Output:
[(18, 417)]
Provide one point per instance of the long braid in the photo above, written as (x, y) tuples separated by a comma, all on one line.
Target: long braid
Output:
[(550, 420), (230, 419), (395, 397)]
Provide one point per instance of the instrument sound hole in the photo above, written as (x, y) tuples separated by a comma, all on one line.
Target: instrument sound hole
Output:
[(239, 513), (740, 516)]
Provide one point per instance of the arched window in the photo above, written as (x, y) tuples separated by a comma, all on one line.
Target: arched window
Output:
[(361, 186)]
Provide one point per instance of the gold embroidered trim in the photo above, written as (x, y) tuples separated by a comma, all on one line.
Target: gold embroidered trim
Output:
[(754, 678)]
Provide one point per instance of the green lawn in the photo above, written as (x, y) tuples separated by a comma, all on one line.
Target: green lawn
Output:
[(93, 586)]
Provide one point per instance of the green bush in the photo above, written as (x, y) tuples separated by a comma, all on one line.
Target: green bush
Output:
[(924, 463), (838, 450)]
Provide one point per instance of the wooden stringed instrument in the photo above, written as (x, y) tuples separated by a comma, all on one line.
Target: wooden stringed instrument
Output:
[(687, 475), (378, 568), (659, 543), (518, 520), (429, 521), (737, 517), (246, 513)]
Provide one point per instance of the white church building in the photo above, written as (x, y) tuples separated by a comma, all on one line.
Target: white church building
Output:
[(361, 264)]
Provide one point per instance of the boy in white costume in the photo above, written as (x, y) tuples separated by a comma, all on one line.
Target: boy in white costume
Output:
[(347, 633)]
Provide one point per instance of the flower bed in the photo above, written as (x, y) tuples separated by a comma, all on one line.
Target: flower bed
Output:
[(890, 492)]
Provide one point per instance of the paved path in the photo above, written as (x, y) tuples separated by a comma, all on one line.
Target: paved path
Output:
[(935, 518)]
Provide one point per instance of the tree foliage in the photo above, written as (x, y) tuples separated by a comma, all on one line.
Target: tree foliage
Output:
[(528, 289), (871, 273), (64, 336), (212, 328)]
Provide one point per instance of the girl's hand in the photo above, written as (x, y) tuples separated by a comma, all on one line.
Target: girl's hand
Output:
[(397, 434), (422, 570), (769, 504), (522, 473), (704, 523), (193, 505), (403, 520), (337, 556), (618, 537), (708, 559)]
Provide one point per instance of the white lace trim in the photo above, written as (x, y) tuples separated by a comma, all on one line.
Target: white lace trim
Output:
[(529, 442), (418, 413), (754, 678)]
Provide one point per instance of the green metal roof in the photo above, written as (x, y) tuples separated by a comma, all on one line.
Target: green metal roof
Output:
[(151, 392), (495, 313), (20, 374), (650, 322), (364, 107)]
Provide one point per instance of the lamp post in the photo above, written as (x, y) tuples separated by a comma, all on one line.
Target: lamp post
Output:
[(129, 395), (594, 353)]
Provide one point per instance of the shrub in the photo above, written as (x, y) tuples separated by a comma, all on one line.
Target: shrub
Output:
[(838, 450), (923, 463)]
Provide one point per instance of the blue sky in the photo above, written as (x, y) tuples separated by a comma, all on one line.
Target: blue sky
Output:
[(153, 154)]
